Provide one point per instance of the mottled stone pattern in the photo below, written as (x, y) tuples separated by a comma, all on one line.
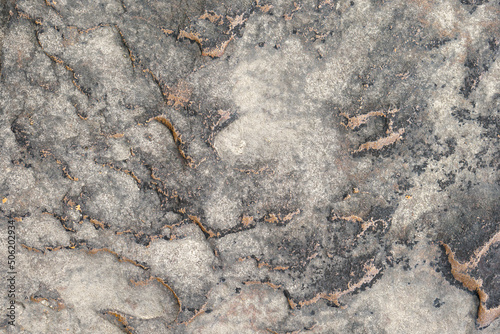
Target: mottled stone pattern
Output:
[(264, 166)]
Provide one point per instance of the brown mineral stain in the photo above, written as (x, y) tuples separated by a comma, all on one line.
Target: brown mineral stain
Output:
[(59, 304), (382, 142), (180, 94), (352, 218), (97, 223), (355, 121), (224, 116), (235, 21), (167, 31), (218, 51), (264, 8), (31, 249), (177, 140), (462, 273), (290, 215), (120, 258), (162, 282), (123, 320), (212, 17), (281, 268), (195, 37), (272, 218), (246, 220), (370, 272), (197, 221)]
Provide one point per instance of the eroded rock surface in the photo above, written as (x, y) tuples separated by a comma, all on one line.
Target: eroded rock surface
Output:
[(251, 166)]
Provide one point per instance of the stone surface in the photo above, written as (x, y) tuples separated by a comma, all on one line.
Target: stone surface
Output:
[(251, 166)]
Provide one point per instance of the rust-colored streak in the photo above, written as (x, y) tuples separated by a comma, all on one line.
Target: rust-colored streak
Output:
[(199, 312), (261, 264), (59, 304), (246, 220), (290, 215), (166, 31), (218, 51), (382, 142), (195, 37), (224, 116), (277, 219), (177, 139), (68, 68), (97, 223), (291, 303), (22, 14), (215, 52), (356, 121), (370, 272), (69, 201), (126, 171), (392, 136), (461, 272), (180, 94), (64, 168), (236, 21), (487, 316), (171, 127), (162, 282), (197, 221), (124, 42), (288, 17), (272, 218), (281, 268), (264, 7), (123, 320), (31, 249), (196, 314), (271, 331), (352, 218), (212, 17), (120, 258), (480, 252), (133, 176)]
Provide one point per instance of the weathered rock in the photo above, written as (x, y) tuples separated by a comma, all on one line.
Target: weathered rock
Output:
[(251, 167)]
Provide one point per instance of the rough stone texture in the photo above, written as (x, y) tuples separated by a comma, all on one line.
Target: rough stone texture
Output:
[(251, 166)]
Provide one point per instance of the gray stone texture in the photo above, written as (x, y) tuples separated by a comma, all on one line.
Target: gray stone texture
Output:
[(247, 166)]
